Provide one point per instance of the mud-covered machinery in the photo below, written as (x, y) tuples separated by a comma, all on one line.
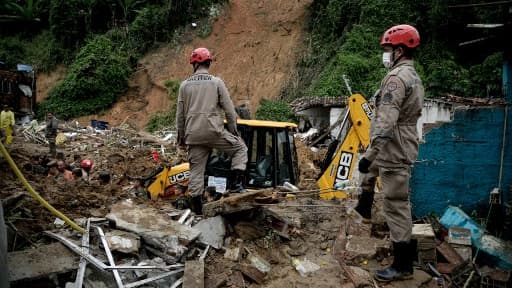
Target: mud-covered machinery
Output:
[(272, 161)]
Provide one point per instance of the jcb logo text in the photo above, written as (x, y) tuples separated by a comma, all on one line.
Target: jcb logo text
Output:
[(179, 177), (344, 167)]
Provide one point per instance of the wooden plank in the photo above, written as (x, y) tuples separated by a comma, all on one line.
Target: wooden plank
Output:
[(194, 274), (37, 263), (449, 253), (234, 203)]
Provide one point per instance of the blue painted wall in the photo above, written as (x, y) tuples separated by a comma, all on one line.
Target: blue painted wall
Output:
[(459, 162)]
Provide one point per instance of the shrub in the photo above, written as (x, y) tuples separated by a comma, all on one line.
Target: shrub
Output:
[(162, 120), (275, 110), (95, 79)]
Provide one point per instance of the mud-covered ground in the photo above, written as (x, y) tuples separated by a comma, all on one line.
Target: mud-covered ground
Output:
[(318, 235), (27, 218)]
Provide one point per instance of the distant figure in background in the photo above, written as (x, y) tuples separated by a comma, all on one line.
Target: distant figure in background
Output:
[(104, 177), (7, 123), (243, 111), (86, 166), (51, 133), (77, 174), (66, 174), (53, 171)]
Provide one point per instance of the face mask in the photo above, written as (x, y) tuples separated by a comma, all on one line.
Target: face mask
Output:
[(386, 59)]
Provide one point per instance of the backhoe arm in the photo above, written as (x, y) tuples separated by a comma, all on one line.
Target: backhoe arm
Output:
[(342, 163)]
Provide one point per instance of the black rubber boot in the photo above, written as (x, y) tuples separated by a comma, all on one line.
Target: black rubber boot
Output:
[(364, 205), (196, 204), (401, 269), (238, 185)]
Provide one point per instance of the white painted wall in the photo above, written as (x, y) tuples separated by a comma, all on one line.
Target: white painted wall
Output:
[(318, 117), (334, 114), (434, 112)]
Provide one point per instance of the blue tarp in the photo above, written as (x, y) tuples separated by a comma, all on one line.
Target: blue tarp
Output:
[(499, 250)]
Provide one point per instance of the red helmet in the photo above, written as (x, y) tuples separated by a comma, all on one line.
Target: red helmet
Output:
[(401, 34), (86, 164), (200, 55)]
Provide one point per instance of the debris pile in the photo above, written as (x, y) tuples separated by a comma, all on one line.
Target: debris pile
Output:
[(282, 237)]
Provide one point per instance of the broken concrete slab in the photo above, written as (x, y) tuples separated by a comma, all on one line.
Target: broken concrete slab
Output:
[(365, 247), (194, 274), (234, 203), (258, 262), (284, 214), (212, 231), (34, 263), (149, 222), (123, 241), (153, 226)]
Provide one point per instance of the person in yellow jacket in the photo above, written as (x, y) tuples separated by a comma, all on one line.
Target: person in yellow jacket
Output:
[(7, 123)]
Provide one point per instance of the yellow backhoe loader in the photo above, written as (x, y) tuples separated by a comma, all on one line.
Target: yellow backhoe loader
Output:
[(272, 162), (273, 157)]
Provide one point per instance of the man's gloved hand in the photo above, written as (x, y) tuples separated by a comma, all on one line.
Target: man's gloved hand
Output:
[(364, 164), (181, 142), (232, 129)]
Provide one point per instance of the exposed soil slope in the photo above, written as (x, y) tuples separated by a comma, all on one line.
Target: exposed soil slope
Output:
[(254, 44)]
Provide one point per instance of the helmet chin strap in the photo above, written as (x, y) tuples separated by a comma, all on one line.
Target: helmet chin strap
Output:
[(394, 58)]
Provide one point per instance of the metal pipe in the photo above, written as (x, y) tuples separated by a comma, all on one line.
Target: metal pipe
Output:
[(148, 280), (77, 250), (205, 252), (177, 283), (110, 258), (96, 262), (83, 262)]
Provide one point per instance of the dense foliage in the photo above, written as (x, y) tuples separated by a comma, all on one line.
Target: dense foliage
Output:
[(101, 41), (345, 36), (97, 76)]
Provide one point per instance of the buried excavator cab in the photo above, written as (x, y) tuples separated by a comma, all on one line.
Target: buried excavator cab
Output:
[(272, 161)]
